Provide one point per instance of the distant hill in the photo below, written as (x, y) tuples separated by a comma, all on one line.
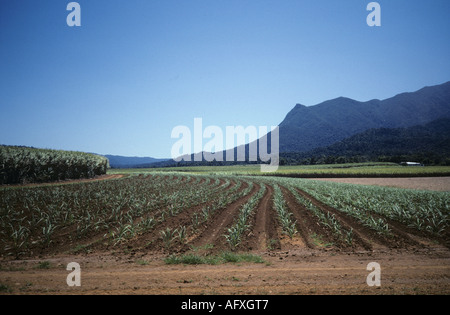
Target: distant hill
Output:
[(429, 144), (117, 161), (306, 128)]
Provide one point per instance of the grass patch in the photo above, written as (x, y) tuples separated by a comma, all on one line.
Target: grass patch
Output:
[(225, 257), (81, 249), (11, 268), (318, 241), (142, 262), (191, 259), (43, 265), (237, 258), (5, 288)]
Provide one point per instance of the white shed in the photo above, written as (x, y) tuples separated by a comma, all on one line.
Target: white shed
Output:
[(411, 164)]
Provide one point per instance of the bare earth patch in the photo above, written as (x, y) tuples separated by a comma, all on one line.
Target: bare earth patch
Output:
[(421, 183), (301, 271)]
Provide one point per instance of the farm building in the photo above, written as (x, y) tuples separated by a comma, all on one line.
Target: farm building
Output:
[(411, 164)]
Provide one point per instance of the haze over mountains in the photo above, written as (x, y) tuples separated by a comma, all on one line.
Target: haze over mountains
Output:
[(345, 127)]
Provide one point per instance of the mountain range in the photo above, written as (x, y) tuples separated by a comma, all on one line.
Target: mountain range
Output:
[(118, 161), (414, 124)]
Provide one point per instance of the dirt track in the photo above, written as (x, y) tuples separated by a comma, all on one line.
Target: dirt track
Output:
[(286, 272)]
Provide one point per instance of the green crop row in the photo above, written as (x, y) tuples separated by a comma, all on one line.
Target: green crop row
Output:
[(234, 233), (326, 219), (284, 215), (118, 209), (372, 205)]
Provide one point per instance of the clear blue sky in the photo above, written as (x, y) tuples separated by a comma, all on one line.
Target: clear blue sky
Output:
[(135, 69)]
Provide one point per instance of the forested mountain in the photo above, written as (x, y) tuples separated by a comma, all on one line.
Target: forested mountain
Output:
[(428, 144), (306, 128)]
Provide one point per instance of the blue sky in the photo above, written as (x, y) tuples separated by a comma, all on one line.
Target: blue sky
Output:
[(136, 69)]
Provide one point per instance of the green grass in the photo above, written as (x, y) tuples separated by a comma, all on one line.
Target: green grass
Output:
[(43, 265), (4, 288), (225, 257), (238, 258), (332, 170), (318, 241), (142, 262)]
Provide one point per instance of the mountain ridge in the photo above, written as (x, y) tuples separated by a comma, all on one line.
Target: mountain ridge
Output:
[(429, 144), (119, 161), (308, 127)]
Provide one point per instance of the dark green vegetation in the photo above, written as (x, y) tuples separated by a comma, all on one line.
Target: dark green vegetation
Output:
[(428, 144), (30, 165), (224, 257)]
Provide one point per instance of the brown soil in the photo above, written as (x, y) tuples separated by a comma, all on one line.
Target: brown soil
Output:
[(214, 230), (264, 234), (153, 241), (421, 183), (312, 230), (302, 271)]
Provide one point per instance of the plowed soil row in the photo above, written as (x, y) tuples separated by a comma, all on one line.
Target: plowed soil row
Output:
[(264, 235), (152, 241), (363, 236), (311, 231), (95, 240), (213, 231), (402, 237)]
